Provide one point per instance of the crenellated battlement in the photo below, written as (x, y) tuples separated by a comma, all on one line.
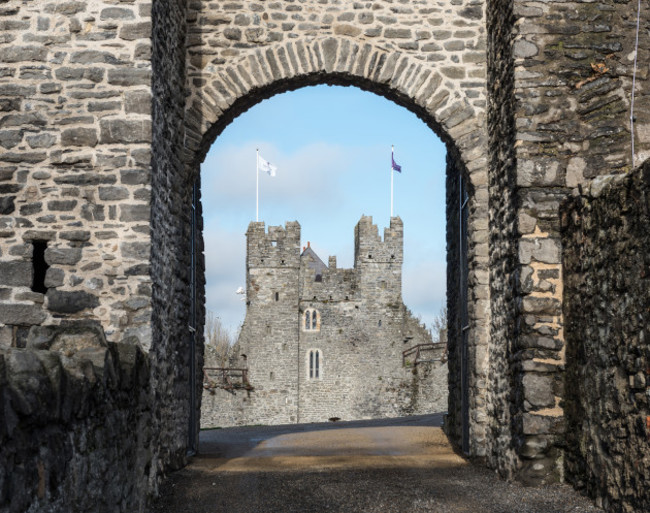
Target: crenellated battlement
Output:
[(277, 247), (369, 246)]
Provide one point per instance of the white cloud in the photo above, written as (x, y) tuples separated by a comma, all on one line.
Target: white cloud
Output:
[(423, 288), (306, 178), (225, 254)]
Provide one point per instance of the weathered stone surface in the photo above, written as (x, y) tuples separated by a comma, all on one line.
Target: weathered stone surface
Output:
[(54, 277), (605, 239), (7, 205), (62, 256), (124, 131), (79, 137), (136, 250), (21, 314), (129, 77), (16, 274), (130, 213), (70, 302)]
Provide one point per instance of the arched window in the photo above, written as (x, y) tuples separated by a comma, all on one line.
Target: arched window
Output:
[(311, 320), (314, 364)]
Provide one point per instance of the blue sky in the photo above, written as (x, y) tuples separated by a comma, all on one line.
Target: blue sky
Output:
[(331, 146)]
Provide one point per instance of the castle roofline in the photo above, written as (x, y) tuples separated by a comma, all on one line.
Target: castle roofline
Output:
[(315, 262)]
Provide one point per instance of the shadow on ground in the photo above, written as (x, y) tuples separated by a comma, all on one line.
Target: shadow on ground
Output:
[(393, 465)]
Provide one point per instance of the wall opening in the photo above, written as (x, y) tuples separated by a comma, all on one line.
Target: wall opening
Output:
[(304, 187), (40, 266)]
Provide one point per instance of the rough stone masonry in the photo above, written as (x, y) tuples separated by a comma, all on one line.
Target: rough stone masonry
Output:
[(108, 107)]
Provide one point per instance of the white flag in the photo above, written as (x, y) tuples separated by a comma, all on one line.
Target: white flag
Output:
[(265, 165)]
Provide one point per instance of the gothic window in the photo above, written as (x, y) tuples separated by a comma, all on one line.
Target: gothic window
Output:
[(311, 320), (314, 364)]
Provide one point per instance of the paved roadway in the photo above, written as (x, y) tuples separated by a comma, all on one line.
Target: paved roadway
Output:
[(378, 466)]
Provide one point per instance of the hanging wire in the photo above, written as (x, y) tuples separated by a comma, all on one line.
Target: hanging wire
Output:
[(636, 54)]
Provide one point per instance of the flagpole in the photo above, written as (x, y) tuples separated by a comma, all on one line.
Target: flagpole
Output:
[(257, 185), (392, 149)]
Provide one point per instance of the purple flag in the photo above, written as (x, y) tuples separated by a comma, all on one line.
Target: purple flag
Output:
[(395, 165)]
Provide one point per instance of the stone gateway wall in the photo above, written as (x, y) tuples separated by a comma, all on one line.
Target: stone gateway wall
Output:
[(606, 282), (107, 109)]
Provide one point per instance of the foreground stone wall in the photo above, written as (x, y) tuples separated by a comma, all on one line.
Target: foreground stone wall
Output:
[(573, 66), (607, 278), (80, 211), (75, 410)]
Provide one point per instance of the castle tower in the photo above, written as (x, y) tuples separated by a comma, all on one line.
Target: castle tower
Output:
[(379, 262), (272, 286)]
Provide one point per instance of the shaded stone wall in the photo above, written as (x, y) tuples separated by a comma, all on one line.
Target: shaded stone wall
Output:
[(75, 409), (504, 401), (606, 303), (172, 184)]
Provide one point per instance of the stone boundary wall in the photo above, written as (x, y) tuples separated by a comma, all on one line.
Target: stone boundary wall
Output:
[(75, 429), (607, 307), (419, 391)]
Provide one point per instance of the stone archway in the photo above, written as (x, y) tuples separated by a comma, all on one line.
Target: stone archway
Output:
[(452, 108)]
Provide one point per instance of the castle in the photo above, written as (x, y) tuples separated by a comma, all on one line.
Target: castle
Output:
[(320, 342)]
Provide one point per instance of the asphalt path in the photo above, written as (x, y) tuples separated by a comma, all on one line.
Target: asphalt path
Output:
[(388, 465)]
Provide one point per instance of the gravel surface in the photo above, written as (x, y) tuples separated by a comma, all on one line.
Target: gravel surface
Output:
[(393, 465)]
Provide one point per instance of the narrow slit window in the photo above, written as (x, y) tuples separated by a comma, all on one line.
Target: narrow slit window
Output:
[(314, 363), (39, 265), (311, 364), (277, 296)]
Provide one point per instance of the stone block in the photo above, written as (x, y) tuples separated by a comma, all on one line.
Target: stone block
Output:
[(113, 193), (20, 314), (61, 205), (116, 13), (70, 302), (10, 138), (76, 235), (7, 205), (122, 131), (86, 137), (397, 33), (16, 274), (138, 102), (136, 250), (62, 256), (131, 213), (538, 390), (16, 53), (44, 140), (129, 77), (54, 277), (133, 31), (545, 250)]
